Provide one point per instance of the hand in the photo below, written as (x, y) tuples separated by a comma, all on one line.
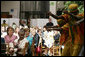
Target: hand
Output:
[(66, 12), (19, 49), (14, 43), (49, 13)]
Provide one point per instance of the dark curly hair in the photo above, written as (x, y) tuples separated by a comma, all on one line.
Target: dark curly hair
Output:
[(21, 32), (8, 29)]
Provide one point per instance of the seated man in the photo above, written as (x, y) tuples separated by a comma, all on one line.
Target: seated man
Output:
[(49, 23), (4, 25)]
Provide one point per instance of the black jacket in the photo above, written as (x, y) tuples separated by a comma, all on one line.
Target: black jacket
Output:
[(49, 24)]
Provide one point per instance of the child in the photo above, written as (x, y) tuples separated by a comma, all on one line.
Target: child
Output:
[(16, 33), (31, 42), (26, 32), (22, 43)]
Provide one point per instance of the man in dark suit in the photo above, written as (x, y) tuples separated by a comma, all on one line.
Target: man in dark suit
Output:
[(49, 23)]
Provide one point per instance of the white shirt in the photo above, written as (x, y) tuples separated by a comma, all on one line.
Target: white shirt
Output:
[(40, 40), (21, 26), (22, 43), (45, 35), (16, 40), (11, 45), (3, 34), (49, 40)]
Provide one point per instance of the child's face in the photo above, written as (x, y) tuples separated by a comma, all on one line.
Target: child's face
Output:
[(10, 32), (21, 34), (40, 32), (17, 30), (27, 33), (44, 29)]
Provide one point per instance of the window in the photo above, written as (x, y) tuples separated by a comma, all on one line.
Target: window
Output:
[(34, 9)]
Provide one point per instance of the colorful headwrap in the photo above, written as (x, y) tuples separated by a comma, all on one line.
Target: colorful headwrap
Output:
[(73, 7)]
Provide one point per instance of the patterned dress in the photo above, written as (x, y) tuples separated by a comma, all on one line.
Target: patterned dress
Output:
[(72, 36)]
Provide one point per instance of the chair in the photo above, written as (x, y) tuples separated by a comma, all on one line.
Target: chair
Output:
[(3, 49), (56, 50)]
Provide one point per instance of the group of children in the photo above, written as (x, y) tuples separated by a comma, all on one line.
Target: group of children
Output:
[(27, 41)]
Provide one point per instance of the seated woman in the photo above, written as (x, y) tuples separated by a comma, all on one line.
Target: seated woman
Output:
[(49, 41), (10, 38), (22, 43)]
